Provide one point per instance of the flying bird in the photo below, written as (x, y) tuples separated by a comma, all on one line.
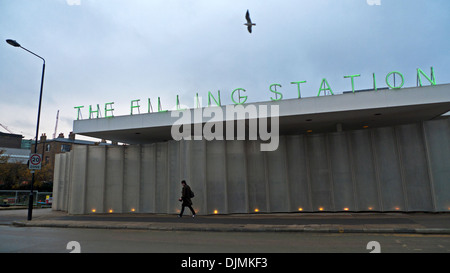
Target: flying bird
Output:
[(249, 23)]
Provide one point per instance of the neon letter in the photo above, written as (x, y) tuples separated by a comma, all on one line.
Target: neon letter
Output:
[(401, 76), (197, 101), (209, 98), (109, 110), (135, 106), (374, 82), (79, 111), (276, 92), (298, 86), (432, 80), (324, 81), (159, 106), (240, 97), (353, 83), (178, 104), (91, 112), (150, 107)]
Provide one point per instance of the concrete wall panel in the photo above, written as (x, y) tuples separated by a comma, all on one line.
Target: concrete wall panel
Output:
[(162, 186), (437, 135), (114, 179), (185, 162), (67, 178), (237, 177), (58, 183), (414, 167), (363, 167), (198, 182), (132, 178), (298, 174), (77, 182), (257, 177), (95, 179), (216, 176), (320, 173), (147, 200), (343, 188), (390, 177), (279, 197), (173, 176)]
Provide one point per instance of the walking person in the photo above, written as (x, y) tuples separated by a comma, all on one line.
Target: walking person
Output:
[(186, 195)]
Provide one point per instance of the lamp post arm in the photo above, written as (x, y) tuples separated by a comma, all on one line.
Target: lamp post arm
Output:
[(33, 54)]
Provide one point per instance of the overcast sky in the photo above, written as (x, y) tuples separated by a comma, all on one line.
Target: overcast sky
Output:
[(100, 51)]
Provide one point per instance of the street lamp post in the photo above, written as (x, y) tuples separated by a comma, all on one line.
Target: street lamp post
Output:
[(16, 44)]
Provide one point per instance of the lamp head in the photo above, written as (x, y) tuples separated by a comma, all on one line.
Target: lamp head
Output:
[(13, 43)]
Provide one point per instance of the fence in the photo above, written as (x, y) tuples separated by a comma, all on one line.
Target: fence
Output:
[(21, 198)]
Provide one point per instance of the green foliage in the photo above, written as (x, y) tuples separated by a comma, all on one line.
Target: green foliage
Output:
[(16, 176)]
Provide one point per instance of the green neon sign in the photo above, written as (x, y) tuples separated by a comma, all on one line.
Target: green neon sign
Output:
[(276, 94)]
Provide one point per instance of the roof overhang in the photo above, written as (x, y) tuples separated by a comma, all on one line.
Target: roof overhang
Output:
[(348, 111)]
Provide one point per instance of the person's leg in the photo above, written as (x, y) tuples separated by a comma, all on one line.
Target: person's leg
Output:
[(182, 211), (192, 210)]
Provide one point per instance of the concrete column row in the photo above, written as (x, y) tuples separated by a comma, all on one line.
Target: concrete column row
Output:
[(399, 168)]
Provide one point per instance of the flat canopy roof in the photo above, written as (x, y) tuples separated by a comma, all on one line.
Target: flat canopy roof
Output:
[(296, 116)]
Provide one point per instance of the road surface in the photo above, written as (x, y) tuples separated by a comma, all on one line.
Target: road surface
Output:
[(55, 240)]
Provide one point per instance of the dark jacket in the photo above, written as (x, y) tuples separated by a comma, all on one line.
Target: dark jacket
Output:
[(186, 196)]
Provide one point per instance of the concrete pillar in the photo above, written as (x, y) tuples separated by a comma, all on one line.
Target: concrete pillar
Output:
[(77, 190)]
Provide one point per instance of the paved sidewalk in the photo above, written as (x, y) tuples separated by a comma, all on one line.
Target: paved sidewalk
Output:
[(416, 223)]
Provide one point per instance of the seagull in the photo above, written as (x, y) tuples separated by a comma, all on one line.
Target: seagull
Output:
[(249, 23)]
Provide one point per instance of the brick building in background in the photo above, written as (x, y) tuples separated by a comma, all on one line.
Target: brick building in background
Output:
[(10, 140), (48, 148), (14, 147)]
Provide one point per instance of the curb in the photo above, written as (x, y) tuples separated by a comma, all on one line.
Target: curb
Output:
[(236, 228)]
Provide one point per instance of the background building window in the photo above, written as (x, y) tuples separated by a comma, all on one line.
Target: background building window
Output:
[(65, 148)]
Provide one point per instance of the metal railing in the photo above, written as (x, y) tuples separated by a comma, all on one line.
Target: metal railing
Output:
[(21, 198)]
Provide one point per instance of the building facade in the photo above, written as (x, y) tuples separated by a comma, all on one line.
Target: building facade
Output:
[(385, 150), (49, 148), (10, 140), (13, 146)]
